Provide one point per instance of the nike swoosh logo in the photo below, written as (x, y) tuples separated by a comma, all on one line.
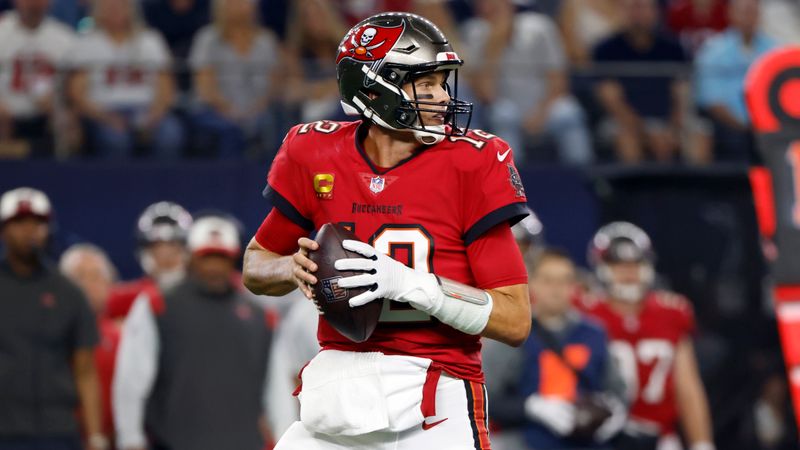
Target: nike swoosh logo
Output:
[(427, 426), (502, 156)]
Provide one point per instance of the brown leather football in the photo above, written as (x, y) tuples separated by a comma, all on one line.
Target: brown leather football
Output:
[(358, 323)]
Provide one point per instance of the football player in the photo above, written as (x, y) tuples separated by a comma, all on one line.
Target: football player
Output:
[(161, 232), (433, 204), (651, 334)]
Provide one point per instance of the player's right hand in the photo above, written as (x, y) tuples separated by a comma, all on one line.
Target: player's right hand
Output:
[(303, 267), (556, 414)]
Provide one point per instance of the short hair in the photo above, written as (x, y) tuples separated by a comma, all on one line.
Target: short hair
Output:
[(535, 260), (69, 256)]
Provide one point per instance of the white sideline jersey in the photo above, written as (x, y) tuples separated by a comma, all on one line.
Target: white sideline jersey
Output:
[(121, 75), (30, 61)]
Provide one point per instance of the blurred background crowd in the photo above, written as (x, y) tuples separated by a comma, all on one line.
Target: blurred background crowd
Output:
[(653, 87), (572, 82)]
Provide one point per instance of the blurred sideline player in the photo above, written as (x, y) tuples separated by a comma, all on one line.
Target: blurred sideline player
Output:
[(190, 368), (161, 232), (651, 333), (415, 188), (567, 365), (564, 365), (89, 267), (501, 363)]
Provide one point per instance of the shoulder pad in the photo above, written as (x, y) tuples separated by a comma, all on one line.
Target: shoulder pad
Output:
[(671, 300)]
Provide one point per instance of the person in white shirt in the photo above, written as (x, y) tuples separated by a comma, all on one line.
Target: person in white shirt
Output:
[(122, 85), (33, 50)]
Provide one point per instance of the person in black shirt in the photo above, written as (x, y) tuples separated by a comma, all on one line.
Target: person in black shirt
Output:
[(191, 368), (47, 335), (643, 89)]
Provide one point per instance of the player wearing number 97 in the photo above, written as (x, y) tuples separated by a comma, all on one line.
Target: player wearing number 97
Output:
[(433, 204), (650, 333)]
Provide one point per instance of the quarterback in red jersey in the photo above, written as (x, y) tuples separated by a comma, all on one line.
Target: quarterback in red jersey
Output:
[(650, 333), (433, 204)]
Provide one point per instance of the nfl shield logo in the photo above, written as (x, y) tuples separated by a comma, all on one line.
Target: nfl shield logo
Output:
[(332, 291), (376, 184)]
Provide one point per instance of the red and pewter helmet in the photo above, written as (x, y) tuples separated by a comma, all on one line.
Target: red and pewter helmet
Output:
[(382, 53), (24, 201), (623, 242)]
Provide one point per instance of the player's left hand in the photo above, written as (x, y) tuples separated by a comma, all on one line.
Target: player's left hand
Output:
[(388, 278)]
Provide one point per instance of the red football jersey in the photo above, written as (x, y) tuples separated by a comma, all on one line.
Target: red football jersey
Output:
[(424, 212), (644, 346)]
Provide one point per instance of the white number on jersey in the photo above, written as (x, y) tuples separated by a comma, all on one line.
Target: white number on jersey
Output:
[(659, 353)]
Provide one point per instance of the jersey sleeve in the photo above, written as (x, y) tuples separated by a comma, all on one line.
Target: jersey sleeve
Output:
[(493, 193), (495, 259), (278, 234), (288, 188)]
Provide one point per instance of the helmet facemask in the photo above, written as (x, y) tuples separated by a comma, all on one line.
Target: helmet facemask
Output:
[(457, 113)]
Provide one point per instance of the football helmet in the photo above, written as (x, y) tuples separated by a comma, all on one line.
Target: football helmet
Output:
[(529, 234), (163, 222), (623, 242), (382, 53)]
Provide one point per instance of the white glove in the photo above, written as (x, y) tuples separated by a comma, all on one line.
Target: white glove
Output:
[(392, 279), (615, 422), (556, 414)]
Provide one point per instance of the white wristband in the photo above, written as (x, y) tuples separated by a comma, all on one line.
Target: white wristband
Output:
[(464, 308)]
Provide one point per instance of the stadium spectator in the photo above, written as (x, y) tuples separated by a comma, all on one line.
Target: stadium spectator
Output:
[(314, 32), (651, 339), (641, 89), (522, 79), (236, 66), (47, 338), (89, 268), (32, 55), (178, 21), (721, 66), (565, 360), (191, 369), (585, 23), (694, 21), (123, 86)]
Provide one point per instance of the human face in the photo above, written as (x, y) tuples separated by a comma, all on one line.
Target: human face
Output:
[(552, 285), (115, 15), (213, 270), (744, 15), (25, 237), (167, 256), (32, 11), (90, 272), (626, 272), (431, 89), (239, 11), (642, 15)]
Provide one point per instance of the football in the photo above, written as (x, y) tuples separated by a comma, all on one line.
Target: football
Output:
[(358, 323), (590, 413)]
